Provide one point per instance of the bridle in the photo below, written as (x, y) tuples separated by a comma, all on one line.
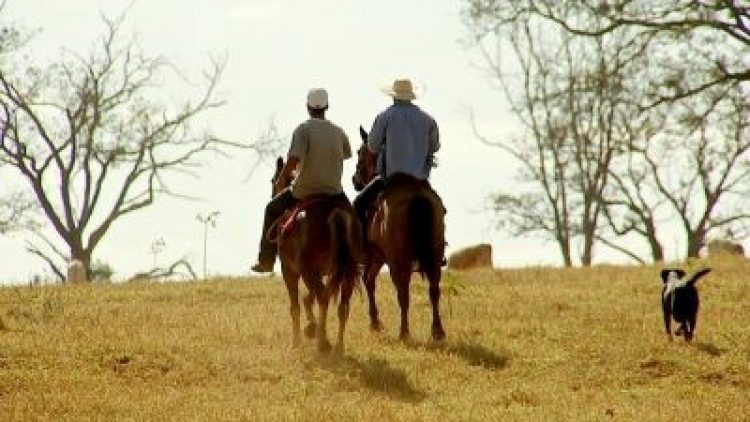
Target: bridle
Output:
[(365, 169)]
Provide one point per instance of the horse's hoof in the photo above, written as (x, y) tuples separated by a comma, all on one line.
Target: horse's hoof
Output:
[(310, 330), (404, 336), (338, 351), (438, 335), (376, 326), (295, 344), (324, 347)]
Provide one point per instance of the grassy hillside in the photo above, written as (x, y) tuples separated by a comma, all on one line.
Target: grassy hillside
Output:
[(530, 344)]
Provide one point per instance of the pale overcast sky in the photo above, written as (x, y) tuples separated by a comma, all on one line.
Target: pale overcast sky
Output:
[(277, 50)]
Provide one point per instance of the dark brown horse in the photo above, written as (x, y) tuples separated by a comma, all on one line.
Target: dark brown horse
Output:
[(406, 231), (321, 250)]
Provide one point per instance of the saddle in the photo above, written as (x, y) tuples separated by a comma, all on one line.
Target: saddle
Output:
[(322, 202), (398, 182)]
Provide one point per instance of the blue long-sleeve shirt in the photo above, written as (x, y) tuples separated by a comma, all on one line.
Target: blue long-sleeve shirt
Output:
[(411, 138)]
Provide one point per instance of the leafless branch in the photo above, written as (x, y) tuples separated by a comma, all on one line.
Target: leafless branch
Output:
[(94, 141)]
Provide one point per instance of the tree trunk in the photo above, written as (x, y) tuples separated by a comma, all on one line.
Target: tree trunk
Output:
[(77, 252), (695, 242), (565, 251), (657, 250)]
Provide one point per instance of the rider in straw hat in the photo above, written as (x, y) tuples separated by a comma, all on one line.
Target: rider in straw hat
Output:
[(405, 139)]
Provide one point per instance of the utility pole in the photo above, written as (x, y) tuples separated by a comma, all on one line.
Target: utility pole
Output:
[(156, 247), (207, 220)]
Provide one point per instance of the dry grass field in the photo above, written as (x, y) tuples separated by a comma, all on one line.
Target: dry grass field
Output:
[(529, 344)]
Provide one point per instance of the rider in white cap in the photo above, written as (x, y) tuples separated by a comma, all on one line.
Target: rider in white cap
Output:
[(317, 152)]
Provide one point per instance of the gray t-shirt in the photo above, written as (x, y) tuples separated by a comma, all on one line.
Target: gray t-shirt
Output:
[(322, 148)]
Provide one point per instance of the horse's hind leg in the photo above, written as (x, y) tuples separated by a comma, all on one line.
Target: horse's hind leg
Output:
[(437, 325), (401, 279), (347, 286), (371, 273), (690, 329), (291, 279), (308, 302), (316, 286)]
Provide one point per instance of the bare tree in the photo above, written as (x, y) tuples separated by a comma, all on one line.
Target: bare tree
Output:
[(631, 206), (570, 104), (179, 268), (704, 174), (93, 141), (546, 211), (10, 37), (680, 114), (16, 208), (17, 212), (676, 23), (688, 157)]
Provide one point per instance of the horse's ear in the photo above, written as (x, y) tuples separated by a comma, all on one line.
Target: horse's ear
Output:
[(363, 134), (279, 163)]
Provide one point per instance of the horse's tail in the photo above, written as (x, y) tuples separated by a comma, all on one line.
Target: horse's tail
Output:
[(345, 236), (422, 233)]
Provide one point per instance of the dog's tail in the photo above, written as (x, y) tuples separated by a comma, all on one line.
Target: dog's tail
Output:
[(697, 276)]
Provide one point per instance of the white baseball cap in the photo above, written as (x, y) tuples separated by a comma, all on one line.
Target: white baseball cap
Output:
[(317, 98)]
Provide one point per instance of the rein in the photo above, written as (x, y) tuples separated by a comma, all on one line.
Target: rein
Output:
[(274, 231), (385, 154)]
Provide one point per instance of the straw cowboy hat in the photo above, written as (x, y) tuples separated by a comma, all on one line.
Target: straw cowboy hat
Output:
[(401, 89)]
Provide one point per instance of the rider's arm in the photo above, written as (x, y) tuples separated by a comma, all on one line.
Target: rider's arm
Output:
[(434, 137), (286, 171), (347, 147), (297, 151)]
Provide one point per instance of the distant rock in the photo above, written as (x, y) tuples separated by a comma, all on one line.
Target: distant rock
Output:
[(477, 256), (724, 247)]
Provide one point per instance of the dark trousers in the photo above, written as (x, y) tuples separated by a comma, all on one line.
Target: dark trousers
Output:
[(275, 209), (365, 199)]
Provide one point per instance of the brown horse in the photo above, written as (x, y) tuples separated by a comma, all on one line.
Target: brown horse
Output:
[(322, 246), (406, 231)]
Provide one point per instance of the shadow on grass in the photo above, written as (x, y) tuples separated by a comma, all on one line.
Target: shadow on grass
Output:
[(474, 354), (377, 375), (710, 349), (478, 355)]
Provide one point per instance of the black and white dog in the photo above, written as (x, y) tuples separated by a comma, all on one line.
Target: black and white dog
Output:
[(679, 300)]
